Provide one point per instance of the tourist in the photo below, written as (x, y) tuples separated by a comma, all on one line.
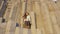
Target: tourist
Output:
[(26, 19)]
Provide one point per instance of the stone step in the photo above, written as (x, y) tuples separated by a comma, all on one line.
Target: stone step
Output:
[(1, 4), (33, 26), (17, 31), (39, 31), (54, 19), (0, 20), (10, 27), (25, 31), (29, 31), (2, 27), (8, 12)]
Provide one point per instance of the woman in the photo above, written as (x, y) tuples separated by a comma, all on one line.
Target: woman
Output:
[(26, 19)]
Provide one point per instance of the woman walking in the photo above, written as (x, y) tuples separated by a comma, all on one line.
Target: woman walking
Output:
[(26, 19)]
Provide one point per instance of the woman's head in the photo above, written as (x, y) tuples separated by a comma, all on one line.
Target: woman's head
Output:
[(26, 14)]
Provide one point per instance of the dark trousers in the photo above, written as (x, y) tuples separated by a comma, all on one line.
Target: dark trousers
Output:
[(27, 23)]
